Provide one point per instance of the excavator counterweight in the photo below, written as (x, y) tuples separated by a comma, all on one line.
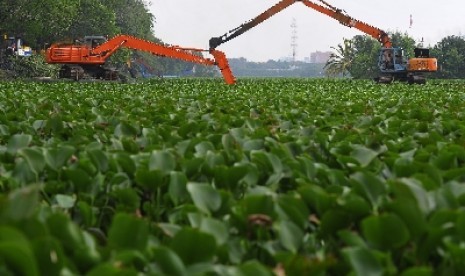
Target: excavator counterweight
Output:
[(87, 59)]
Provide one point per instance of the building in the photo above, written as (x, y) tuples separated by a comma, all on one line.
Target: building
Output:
[(318, 57)]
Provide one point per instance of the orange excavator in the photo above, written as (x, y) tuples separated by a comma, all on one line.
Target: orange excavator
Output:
[(86, 59), (392, 63)]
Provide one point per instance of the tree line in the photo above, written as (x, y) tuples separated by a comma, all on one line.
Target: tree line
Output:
[(41, 23), (357, 57)]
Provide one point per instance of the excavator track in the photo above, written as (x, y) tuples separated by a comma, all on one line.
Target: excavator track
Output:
[(78, 72)]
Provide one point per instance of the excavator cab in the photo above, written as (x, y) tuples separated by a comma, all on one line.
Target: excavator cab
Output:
[(392, 60), (94, 41)]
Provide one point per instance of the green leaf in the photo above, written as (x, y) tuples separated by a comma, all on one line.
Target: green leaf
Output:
[(290, 235), (334, 220), (205, 197), (50, 255), (169, 262), (370, 186), (216, 228), (316, 198), (418, 271), (411, 189), (254, 268), (80, 178), (125, 162), (162, 161), (293, 209), (150, 180), (22, 203), (16, 252), (111, 269), (125, 129), (65, 201), (34, 158), (4, 130), (128, 232), (99, 159), (17, 142), (186, 244), (57, 157), (351, 238), (203, 148), (363, 261), (410, 214), (363, 155), (386, 231), (177, 188)]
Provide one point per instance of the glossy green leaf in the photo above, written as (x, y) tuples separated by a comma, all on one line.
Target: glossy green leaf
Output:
[(17, 252), (204, 196), (386, 231), (17, 142), (186, 244), (99, 159), (363, 155), (216, 228), (50, 255), (363, 261), (65, 201), (290, 235), (125, 129), (370, 186), (162, 161), (128, 232), (57, 157), (177, 188), (169, 262), (254, 268), (22, 203), (418, 271)]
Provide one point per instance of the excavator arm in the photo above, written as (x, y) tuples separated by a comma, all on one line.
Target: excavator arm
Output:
[(87, 56), (391, 62), (324, 8), (350, 22), (217, 41)]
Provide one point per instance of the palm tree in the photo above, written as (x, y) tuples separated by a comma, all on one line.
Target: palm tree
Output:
[(339, 62)]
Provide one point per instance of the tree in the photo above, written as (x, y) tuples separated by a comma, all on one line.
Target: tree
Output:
[(365, 57), (339, 62), (404, 41), (450, 52), (37, 21), (93, 18), (132, 17)]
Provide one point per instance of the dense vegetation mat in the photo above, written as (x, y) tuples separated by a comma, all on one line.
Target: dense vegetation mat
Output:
[(193, 177)]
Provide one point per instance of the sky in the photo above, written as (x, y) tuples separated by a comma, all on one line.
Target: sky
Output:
[(191, 23)]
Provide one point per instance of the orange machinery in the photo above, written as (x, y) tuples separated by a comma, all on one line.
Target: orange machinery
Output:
[(87, 59), (391, 61)]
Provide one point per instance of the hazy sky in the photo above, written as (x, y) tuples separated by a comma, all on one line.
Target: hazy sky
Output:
[(191, 23)]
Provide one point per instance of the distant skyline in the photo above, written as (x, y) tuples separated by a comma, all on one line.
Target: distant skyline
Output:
[(192, 23)]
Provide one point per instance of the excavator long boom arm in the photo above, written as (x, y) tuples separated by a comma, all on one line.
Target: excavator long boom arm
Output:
[(217, 41), (85, 55), (348, 21), (324, 8)]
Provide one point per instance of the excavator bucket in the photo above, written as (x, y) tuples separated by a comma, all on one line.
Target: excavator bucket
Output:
[(222, 63)]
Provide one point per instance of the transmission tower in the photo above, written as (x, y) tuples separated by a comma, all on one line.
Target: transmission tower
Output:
[(294, 39)]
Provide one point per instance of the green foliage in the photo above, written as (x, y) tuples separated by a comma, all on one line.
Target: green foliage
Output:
[(192, 177), (451, 57), (365, 60), (340, 61), (30, 67)]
